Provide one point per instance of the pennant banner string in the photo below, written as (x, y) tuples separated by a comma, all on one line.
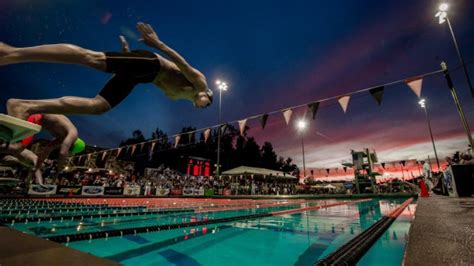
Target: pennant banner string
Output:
[(284, 109)]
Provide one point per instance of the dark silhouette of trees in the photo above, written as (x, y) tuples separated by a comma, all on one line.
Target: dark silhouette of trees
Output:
[(236, 150)]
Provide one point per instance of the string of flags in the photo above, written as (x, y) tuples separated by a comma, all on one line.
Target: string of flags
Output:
[(414, 83)]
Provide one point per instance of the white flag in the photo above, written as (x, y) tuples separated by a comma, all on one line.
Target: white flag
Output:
[(344, 102), (287, 114), (415, 85), (242, 124)]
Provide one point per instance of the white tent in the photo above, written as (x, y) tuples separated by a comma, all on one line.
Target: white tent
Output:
[(246, 170)]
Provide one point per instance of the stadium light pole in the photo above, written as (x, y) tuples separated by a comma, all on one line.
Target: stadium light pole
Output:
[(301, 126), (422, 103), (222, 86), (442, 16)]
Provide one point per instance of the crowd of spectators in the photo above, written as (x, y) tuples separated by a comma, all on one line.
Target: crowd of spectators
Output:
[(166, 178)]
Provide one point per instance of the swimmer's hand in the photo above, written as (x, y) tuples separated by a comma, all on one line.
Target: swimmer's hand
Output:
[(148, 35), (124, 43)]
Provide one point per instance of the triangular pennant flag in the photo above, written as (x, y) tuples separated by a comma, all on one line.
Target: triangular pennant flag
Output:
[(89, 156), (223, 128), (263, 120), (207, 133), (415, 85), (383, 165), (242, 124), (176, 140), (377, 93), (313, 108), (345, 169), (141, 146), (287, 114), (134, 147), (344, 102), (153, 146), (119, 151), (403, 163), (190, 137), (103, 155)]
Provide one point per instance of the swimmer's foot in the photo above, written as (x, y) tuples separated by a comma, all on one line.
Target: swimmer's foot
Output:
[(17, 109), (6, 52)]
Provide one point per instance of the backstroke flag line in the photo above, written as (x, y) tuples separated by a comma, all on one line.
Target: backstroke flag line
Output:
[(415, 85), (344, 102), (242, 124), (287, 114), (377, 93)]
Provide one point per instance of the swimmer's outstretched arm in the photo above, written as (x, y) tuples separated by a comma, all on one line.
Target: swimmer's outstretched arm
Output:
[(151, 39)]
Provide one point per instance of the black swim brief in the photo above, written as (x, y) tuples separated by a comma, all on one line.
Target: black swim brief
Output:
[(130, 69)]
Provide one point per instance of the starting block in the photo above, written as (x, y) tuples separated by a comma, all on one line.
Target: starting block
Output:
[(13, 129)]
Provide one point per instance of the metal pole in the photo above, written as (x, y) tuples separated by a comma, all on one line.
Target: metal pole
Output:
[(219, 136), (431, 135), (444, 67), (460, 56), (304, 164)]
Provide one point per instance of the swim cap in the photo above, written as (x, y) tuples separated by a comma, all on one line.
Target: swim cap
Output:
[(35, 119), (78, 146)]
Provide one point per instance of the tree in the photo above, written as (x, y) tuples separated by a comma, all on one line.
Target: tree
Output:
[(269, 157)]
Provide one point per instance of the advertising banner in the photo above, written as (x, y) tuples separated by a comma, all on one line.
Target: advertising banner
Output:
[(131, 191), (93, 190), (69, 190), (199, 192), (113, 191), (176, 192), (42, 190), (209, 192), (162, 192), (188, 191)]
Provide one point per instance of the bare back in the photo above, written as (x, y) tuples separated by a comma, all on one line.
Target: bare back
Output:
[(172, 81)]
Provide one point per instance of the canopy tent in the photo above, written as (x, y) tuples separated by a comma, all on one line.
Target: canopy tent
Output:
[(246, 170)]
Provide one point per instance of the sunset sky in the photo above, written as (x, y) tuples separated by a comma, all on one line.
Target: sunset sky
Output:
[(273, 54)]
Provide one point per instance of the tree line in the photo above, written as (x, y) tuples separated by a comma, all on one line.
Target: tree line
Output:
[(236, 150)]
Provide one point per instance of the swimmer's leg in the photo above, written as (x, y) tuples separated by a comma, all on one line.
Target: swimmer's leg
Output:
[(52, 53), (64, 105)]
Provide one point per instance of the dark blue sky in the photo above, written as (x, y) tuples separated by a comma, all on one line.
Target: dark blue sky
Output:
[(273, 54)]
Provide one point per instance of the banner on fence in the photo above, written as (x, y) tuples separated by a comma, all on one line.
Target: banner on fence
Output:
[(209, 192), (199, 192), (131, 191), (92, 190), (113, 191), (162, 191), (188, 191), (42, 190), (176, 192), (70, 190)]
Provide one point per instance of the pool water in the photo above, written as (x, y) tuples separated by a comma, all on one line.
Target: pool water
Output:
[(290, 239)]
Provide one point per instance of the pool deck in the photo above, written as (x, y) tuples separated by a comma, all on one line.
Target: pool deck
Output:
[(22, 249), (442, 232)]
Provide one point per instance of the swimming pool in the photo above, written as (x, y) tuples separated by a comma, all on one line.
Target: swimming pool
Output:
[(299, 238)]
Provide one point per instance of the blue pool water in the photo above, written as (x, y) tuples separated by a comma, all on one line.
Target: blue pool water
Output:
[(290, 239)]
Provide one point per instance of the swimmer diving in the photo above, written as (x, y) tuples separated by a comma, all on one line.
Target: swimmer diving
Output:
[(171, 73)]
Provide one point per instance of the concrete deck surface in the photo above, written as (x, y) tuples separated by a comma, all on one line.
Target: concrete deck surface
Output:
[(22, 249), (442, 232)]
